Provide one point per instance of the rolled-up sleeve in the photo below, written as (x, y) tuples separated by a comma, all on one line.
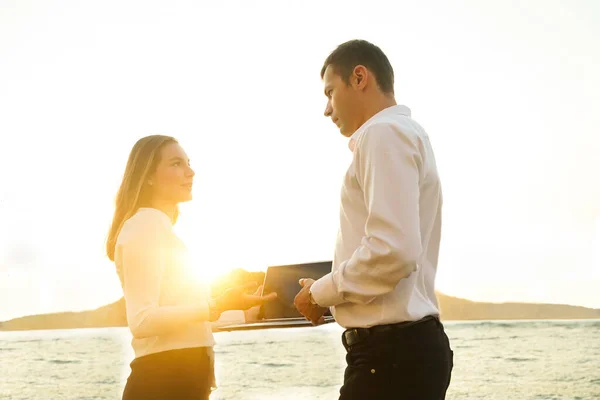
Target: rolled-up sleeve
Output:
[(388, 165)]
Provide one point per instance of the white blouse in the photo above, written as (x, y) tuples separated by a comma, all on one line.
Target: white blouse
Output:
[(167, 308)]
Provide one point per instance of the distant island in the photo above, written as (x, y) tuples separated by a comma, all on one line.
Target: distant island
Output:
[(452, 308)]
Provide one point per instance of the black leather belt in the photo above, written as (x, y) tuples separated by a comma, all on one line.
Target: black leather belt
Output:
[(352, 336)]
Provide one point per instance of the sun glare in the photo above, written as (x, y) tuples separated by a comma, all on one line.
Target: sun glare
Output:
[(203, 272), (205, 266)]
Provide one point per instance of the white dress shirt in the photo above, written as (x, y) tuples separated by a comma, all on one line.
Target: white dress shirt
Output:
[(387, 247), (167, 308)]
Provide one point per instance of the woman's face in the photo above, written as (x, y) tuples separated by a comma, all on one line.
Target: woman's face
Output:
[(173, 178)]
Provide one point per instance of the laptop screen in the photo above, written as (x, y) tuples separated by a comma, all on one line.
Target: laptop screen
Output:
[(283, 280)]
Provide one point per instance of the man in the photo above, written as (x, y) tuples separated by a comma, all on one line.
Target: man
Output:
[(381, 287)]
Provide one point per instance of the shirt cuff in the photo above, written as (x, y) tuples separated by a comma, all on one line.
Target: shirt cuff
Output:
[(325, 293), (233, 316)]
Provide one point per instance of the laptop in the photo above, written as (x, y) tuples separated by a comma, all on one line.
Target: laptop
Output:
[(281, 312)]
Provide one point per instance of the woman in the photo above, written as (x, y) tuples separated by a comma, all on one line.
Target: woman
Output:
[(168, 312)]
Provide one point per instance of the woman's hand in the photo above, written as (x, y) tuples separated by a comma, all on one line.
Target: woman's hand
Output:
[(237, 299), (251, 314)]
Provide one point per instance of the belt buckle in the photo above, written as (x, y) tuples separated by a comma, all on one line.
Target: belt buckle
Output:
[(353, 336)]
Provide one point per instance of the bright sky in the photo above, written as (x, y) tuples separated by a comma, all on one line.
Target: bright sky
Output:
[(509, 92)]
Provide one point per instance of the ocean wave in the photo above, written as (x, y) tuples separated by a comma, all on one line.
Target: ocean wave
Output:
[(567, 379), (249, 344), (520, 359), (276, 365), (495, 324), (108, 381), (64, 361), (586, 360), (485, 338)]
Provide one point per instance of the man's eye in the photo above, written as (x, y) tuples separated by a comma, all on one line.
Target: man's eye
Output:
[(176, 164)]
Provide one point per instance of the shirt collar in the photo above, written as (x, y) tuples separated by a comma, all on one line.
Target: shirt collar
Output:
[(392, 110)]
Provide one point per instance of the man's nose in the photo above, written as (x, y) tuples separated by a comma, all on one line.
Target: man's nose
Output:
[(328, 110)]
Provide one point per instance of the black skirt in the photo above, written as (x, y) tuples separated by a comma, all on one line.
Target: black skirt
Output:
[(174, 374)]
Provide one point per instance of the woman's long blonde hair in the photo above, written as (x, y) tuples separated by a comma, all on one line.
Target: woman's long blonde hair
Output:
[(134, 191)]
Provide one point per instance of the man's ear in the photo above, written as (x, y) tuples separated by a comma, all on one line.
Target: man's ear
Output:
[(360, 76)]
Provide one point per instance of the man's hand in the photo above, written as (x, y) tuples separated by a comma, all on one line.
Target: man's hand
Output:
[(312, 312)]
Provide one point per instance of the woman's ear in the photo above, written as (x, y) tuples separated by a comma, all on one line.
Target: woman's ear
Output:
[(150, 179)]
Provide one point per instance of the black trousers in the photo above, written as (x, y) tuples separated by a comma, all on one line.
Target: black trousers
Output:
[(410, 362), (174, 374)]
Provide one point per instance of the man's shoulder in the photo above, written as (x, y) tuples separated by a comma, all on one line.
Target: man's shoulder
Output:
[(391, 128)]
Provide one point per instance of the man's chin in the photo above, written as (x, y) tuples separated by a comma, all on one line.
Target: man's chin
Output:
[(345, 134)]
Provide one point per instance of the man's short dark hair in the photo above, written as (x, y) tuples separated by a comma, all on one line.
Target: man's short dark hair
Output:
[(360, 52)]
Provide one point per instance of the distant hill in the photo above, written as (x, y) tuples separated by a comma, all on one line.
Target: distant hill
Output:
[(452, 308)]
